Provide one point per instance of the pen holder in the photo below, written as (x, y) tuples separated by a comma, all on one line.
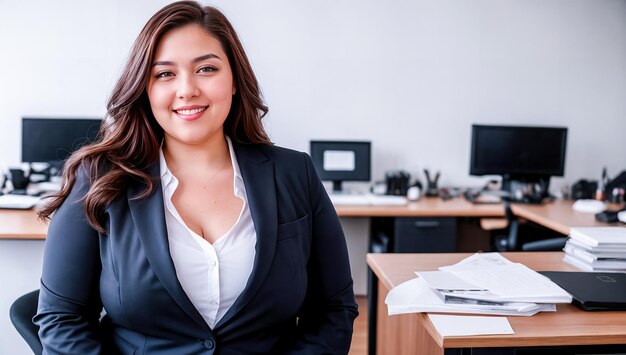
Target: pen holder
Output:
[(19, 180), (431, 184)]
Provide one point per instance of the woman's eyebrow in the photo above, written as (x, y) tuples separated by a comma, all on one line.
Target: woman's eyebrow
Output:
[(205, 57), (195, 60)]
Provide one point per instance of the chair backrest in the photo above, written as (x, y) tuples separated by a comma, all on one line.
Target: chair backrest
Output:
[(22, 312), (511, 240)]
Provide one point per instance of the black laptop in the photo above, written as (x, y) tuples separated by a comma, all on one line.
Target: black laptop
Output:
[(593, 291)]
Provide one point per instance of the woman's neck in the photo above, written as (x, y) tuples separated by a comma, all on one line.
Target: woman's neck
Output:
[(210, 156)]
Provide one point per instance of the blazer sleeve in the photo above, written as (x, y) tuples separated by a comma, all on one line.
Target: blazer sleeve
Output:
[(69, 302), (326, 321)]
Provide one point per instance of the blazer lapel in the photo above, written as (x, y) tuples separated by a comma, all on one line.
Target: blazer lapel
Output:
[(149, 219), (257, 171)]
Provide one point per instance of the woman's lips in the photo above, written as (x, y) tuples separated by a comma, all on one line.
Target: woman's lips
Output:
[(190, 113)]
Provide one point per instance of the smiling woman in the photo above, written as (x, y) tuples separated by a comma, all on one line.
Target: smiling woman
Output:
[(193, 232)]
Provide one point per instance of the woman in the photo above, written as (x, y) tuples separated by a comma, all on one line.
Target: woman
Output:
[(192, 231)]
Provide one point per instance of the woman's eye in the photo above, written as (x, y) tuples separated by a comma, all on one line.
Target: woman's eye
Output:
[(164, 74), (208, 69)]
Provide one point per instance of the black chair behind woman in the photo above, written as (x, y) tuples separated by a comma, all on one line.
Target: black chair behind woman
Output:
[(22, 312)]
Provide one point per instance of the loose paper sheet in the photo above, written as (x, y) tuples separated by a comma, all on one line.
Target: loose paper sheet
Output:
[(450, 326)]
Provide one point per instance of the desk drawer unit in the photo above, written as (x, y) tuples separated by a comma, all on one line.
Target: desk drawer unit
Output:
[(424, 235)]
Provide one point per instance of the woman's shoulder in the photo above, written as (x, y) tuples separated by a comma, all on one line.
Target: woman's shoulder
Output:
[(273, 152), (86, 172)]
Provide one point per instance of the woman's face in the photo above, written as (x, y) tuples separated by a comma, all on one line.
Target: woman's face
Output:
[(191, 86)]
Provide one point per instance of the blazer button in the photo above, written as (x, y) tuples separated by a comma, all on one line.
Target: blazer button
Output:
[(209, 344)]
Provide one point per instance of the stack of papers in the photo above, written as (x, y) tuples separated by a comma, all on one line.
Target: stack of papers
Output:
[(597, 249), (480, 284)]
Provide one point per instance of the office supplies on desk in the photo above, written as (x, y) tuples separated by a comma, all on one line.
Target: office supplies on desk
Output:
[(415, 296), (589, 206), (599, 236), (618, 184), (593, 291), (597, 249), (607, 216), (367, 199), (483, 284), (584, 189), (448, 325), (346, 199), (397, 182), (510, 281), (617, 195), (609, 261), (484, 196), (18, 202), (431, 183), (387, 200), (19, 181), (413, 193), (43, 187)]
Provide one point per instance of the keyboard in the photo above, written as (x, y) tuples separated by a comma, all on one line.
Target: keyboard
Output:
[(18, 202), (388, 200), (479, 197), (369, 199)]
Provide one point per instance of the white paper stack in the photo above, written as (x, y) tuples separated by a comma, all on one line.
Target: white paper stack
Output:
[(597, 249), (480, 284)]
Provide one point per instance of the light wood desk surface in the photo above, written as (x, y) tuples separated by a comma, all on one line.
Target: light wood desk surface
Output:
[(425, 207), (557, 215), (17, 224), (568, 326)]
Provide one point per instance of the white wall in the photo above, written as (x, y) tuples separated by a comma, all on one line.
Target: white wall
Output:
[(411, 76)]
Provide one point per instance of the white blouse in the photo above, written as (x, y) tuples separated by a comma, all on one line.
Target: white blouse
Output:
[(212, 275)]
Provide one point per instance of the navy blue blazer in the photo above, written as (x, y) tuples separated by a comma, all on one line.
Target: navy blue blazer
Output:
[(298, 299)]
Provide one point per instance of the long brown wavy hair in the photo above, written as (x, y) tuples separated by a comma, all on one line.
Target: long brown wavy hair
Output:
[(129, 138)]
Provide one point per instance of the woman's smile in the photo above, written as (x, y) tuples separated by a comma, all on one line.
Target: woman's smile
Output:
[(190, 113)]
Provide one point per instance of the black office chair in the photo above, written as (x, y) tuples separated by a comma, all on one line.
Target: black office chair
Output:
[(22, 312), (510, 241)]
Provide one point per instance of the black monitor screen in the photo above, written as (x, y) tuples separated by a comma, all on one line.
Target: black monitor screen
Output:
[(518, 150), (341, 161), (54, 139)]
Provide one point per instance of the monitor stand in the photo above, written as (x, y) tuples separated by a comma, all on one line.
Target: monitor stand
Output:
[(337, 187)]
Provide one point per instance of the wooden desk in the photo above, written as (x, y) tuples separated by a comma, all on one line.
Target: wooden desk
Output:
[(426, 207), (15, 224), (557, 215), (415, 334)]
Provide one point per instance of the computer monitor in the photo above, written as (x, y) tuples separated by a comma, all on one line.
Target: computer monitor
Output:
[(52, 140), (339, 161), (527, 154)]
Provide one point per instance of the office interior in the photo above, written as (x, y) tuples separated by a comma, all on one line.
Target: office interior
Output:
[(409, 76)]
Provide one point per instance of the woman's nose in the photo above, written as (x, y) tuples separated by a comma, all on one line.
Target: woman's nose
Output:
[(187, 87)]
